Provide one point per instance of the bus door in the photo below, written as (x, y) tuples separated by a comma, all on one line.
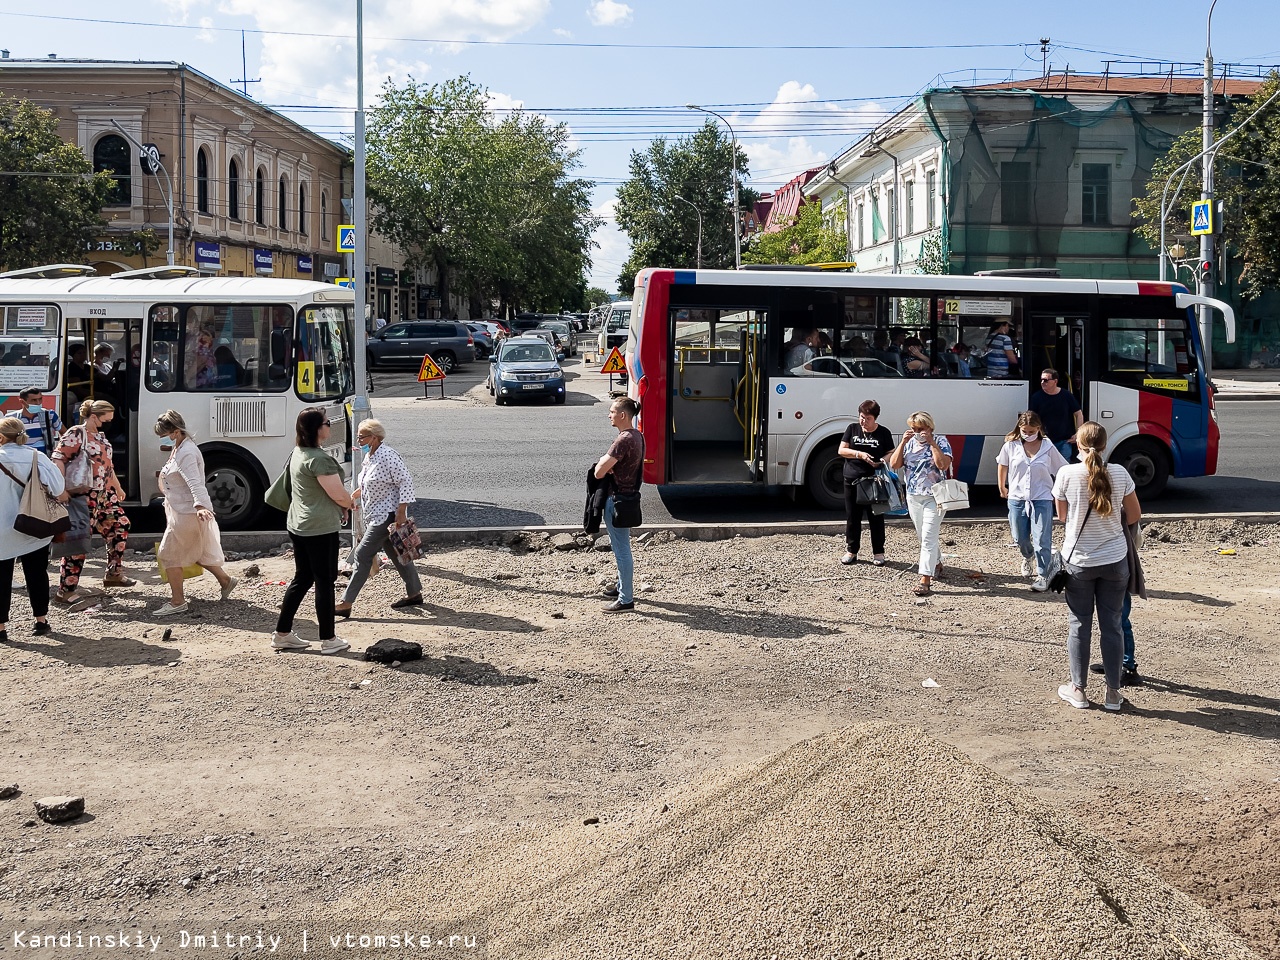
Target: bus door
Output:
[(1058, 342), (111, 370), (716, 416)]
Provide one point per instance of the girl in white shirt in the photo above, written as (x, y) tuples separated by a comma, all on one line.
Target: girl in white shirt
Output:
[(1090, 496), (1025, 470)]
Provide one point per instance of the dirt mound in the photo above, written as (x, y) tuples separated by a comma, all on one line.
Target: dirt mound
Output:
[(874, 841)]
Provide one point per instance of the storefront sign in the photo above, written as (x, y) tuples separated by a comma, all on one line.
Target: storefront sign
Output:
[(208, 256), (304, 264), (263, 262), (386, 276)]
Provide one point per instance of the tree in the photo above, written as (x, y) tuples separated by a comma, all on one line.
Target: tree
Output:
[(807, 240), (1246, 182), (662, 230), (492, 206), (50, 197), (596, 296)]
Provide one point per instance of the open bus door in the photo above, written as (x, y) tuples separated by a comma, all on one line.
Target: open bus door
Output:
[(748, 395), (119, 386), (1058, 342)]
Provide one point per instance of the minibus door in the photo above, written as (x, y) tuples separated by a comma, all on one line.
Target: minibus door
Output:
[(1058, 342)]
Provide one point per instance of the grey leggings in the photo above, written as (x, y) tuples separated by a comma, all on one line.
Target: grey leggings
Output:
[(374, 539)]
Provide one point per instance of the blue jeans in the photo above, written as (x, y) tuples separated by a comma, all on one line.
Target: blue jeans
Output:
[(1130, 658), (620, 544), (1033, 534), (1066, 449)]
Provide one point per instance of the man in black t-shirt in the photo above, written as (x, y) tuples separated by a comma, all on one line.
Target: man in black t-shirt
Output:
[(1059, 412), (864, 445)]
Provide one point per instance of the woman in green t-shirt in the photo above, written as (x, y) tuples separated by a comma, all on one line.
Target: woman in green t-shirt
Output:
[(318, 505)]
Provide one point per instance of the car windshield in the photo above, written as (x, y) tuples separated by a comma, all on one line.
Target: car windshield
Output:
[(620, 320), (557, 327), (526, 353)]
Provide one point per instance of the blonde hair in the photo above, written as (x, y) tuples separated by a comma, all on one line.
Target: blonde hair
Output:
[(1029, 419), (1091, 438), (95, 408), (921, 419), (170, 421), (374, 427), (13, 430)]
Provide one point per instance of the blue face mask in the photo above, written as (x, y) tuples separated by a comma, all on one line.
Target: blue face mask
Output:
[(34, 408), (364, 448)]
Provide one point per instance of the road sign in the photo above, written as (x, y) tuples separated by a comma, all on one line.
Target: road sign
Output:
[(347, 238), (1202, 218), (614, 364), (346, 282), (430, 370)]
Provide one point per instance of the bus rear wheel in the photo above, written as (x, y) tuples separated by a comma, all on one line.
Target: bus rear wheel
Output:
[(824, 477), (1148, 463), (235, 491)]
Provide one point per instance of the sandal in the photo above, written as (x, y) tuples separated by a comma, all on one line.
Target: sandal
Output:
[(120, 580), (849, 559), (921, 590)]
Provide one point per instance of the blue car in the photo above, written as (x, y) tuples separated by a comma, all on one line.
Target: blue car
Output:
[(525, 367)]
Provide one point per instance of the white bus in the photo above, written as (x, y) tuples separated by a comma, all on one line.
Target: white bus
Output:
[(238, 357)]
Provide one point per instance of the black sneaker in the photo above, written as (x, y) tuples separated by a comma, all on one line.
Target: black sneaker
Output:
[(1130, 677), (610, 592), (1097, 668), (619, 607)]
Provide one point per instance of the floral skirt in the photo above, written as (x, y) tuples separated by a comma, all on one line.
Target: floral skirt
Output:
[(187, 540)]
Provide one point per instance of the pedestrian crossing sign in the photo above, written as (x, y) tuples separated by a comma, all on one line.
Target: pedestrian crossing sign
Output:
[(430, 370), (346, 238), (614, 364), (1202, 218)]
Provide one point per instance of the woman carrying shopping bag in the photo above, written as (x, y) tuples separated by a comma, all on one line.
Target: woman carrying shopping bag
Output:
[(191, 533)]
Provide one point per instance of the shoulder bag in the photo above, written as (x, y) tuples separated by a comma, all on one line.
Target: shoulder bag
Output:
[(949, 493), (1057, 574), (79, 470), (626, 506), (280, 493), (39, 514), (405, 541)]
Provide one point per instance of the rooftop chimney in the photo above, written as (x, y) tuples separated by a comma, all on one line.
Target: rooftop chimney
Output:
[(53, 56)]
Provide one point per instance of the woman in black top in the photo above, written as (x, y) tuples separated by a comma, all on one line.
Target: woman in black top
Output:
[(863, 446)]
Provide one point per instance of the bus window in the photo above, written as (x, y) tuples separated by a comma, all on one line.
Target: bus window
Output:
[(228, 347), (693, 336), (1152, 354), (324, 340), (162, 349), (28, 321)]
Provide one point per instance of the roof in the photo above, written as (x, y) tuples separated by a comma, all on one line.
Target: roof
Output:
[(1105, 83), (212, 288)]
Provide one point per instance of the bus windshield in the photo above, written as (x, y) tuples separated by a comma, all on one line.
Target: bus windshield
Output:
[(325, 364)]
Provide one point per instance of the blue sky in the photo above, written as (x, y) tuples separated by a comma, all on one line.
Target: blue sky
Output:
[(791, 108)]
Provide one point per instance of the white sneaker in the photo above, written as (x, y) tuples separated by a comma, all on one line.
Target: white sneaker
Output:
[(1040, 585), (1026, 566), (231, 585), (288, 641), (335, 645), (169, 610)]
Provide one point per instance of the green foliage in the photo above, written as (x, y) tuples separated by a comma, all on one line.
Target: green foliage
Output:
[(50, 197), (808, 240), (662, 230), (1246, 182), (933, 258), (141, 243), (596, 296), (492, 205)]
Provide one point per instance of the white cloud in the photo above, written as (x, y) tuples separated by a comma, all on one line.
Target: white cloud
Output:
[(562, 32), (206, 33), (608, 13), (504, 101)]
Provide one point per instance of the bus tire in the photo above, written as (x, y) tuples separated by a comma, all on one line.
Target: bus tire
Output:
[(235, 491), (824, 476), (1148, 462)]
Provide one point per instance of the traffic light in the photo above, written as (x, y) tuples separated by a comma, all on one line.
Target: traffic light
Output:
[(1206, 271)]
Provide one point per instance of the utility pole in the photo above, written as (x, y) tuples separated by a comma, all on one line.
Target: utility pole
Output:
[(1044, 57), (360, 402), (737, 219), (1205, 285)]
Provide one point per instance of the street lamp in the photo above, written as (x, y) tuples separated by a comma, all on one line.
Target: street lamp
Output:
[(360, 401), (737, 226), (848, 211), (1205, 279), (153, 158), (698, 264)]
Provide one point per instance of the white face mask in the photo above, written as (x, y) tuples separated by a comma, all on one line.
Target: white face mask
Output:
[(1028, 437)]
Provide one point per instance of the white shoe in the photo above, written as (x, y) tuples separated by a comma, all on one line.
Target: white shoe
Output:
[(288, 641), (169, 610), (1040, 585), (335, 645), (1026, 566), (231, 585)]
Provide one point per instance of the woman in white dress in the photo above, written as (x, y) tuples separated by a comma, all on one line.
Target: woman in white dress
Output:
[(190, 532)]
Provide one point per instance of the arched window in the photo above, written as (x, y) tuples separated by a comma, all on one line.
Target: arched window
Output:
[(111, 155), (260, 198), (324, 217), (302, 209), (233, 190), (282, 216), (202, 181)]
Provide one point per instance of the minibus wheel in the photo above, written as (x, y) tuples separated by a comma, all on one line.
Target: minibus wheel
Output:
[(235, 491), (824, 476)]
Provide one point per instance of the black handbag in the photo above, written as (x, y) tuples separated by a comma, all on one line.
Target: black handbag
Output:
[(626, 506), (1059, 576), (871, 491)]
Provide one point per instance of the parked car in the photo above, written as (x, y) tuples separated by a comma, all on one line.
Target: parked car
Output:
[(450, 343), (483, 338), (564, 329), (613, 331), (525, 367), (551, 337), (525, 322)]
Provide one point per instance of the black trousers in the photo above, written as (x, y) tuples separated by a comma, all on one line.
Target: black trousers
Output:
[(35, 568), (853, 513), (315, 564)]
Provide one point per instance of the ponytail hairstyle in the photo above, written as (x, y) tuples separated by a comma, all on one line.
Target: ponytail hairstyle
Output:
[(1092, 441), (1028, 419), (628, 406)]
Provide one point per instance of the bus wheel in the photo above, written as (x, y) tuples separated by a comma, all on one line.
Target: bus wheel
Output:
[(824, 477), (1148, 463), (235, 491)]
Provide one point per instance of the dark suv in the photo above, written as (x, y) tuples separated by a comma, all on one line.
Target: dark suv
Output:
[(449, 343)]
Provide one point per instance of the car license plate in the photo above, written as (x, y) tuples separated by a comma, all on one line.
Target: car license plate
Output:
[(530, 386)]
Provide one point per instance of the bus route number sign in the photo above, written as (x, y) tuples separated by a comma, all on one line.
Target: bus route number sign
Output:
[(979, 308), (306, 376)]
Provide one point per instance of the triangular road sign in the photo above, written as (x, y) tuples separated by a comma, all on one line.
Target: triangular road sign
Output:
[(430, 370), (614, 364)]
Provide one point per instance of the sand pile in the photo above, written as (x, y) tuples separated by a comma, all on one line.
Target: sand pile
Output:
[(872, 842)]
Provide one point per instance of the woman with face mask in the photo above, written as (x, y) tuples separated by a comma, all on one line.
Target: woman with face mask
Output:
[(384, 492), (101, 505), (1025, 470), (190, 532)]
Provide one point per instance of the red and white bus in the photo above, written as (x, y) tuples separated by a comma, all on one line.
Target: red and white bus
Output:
[(712, 355)]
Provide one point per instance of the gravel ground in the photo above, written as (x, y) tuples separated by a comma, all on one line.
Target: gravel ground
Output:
[(234, 790)]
